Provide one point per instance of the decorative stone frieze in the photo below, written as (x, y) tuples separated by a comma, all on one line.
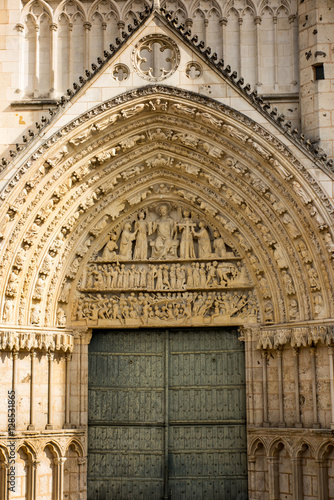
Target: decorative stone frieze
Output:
[(28, 340), (296, 336)]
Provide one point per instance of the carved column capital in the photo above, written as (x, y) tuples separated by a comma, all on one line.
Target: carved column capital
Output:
[(257, 20), (59, 460), (83, 335), (34, 463)]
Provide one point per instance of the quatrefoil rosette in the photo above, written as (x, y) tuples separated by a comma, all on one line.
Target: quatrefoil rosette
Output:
[(155, 57)]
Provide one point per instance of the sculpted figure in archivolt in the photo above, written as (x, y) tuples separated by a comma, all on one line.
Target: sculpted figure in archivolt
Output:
[(165, 244)]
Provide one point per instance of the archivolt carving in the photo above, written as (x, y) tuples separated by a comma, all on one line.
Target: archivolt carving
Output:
[(93, 181)]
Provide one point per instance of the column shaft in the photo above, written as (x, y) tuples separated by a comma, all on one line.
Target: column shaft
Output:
[(53, 60), (31, 426), (50, 391), (265, 387), (313, 353), (275, 54), (297, 478), (298, 422), (331, 381), (257, 21), (280, 387), (273, 471), (322, 473), (67, 424)]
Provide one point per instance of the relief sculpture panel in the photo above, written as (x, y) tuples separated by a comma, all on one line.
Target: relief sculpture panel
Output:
[(164, 265)]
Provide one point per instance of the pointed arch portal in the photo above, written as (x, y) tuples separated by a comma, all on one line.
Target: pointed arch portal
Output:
[(164, 210)]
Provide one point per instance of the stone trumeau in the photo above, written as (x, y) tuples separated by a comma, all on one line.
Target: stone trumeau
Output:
[(166, 250)]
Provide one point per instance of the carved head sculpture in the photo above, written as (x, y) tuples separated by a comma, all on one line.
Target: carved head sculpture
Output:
[(163, 210)]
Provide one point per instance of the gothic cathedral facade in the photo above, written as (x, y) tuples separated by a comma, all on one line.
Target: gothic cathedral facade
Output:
[(166, 249)]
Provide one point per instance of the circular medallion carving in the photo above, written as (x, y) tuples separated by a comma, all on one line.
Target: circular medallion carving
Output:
[(155, 57)]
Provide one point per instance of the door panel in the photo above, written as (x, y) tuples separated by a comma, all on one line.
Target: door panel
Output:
[(126, 415), (167, 415)]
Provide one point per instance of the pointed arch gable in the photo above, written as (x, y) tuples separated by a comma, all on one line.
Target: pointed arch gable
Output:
[(27, 7), (77, 446), (113, 8), (60, 9)]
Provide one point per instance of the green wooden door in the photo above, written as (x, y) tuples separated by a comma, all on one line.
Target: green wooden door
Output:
[(167, 415)]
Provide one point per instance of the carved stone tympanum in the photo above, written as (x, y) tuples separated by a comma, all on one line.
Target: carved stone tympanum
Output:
[(164, 263)]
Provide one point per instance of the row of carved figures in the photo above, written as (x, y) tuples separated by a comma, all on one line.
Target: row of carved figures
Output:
[(171, 306), (165, 244), (165, 276)]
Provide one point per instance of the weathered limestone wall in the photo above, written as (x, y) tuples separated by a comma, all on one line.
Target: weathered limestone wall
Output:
[(49, 439)]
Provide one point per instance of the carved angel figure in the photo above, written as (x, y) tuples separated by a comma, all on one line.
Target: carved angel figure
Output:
[(13, 283), (219, 248), (125, 246), (127, 113), (8, 310), (39, 288), (109, 251)]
